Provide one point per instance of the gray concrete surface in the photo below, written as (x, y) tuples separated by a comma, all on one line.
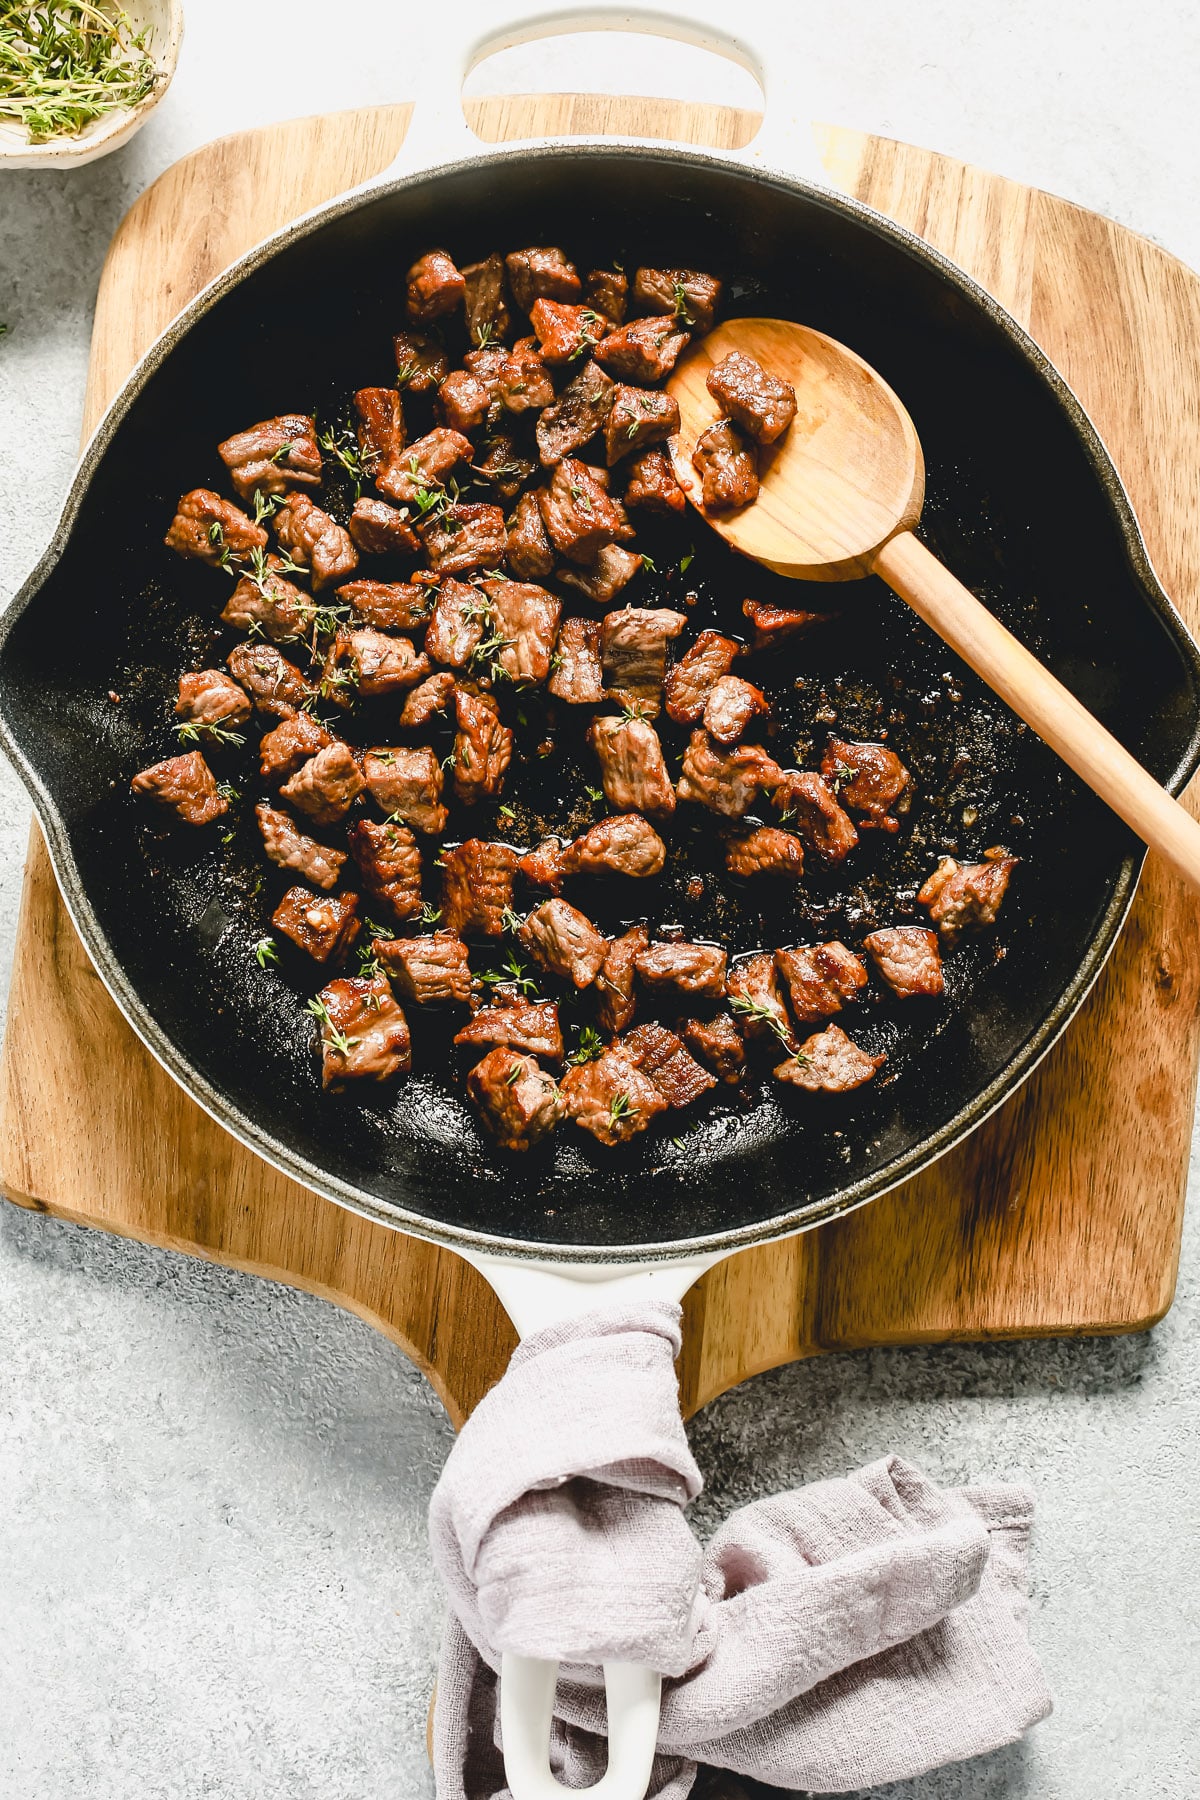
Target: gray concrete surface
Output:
[(213, 1579)]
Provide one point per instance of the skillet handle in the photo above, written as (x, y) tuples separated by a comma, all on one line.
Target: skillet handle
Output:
[(454, 38), (527, 1687)]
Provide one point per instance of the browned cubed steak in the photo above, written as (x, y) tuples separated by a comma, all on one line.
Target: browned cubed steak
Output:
[(292, 742), (565, 332), (765, 851), (525, 617), (314, 541), (760, 402), (485, 302), (633, 770), (727, 466), (327, 785), (633, 650), (660, 1054), (769, 625), (420, 361), (608, 291), (477, 887), (435, 287), (529, 1025), (717, 1042), (381, 429), (726, 781), (267, 604), (756, 998), (829, 1063), (184, 785), (389, 862), (615, 984), (325, 925), (967, 896), (639, 416), (644, 351), (564, 941), (820, 979), (690, 969), (518, 1100), (382, 530), (576, 416), (624, 845), (290, 848), (210, 697), (273, 456), (541, 273), (405, 782), (364, 1034), (908, 958), (690, 294), (807, 803), (576, 675), (426, 970), (431, 696), (424, 466), (388, 605), (731, 707), (691, 680), (869, 779), (213, 529), (611, 1098), (482, 748)]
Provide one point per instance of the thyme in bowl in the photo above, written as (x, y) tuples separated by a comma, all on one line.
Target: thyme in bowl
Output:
[(65, 63)]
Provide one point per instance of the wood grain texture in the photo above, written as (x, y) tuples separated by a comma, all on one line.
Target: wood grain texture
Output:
[(1061, 1214)]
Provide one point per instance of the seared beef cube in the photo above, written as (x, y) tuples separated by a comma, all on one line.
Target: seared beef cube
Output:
[(541, 274), (464, 537), (565, 333), (819, 978), (500, 463), (771, 624), (432, 696), (718, 1042), (290, 848), (420, 361), (279, 609), (692, 296), (477, 887), (212, 529), (765, 851), (760, 403), (464, 402), (544, 866), (576, 416), (727, 465), (273, 683), (381, 429), (364, 1034), (516, 378), (611, 1098), (633, 648), (526, 617), (632, 770), (315, 541), (966, 896), (435, 287), (388, 605), (425, 464), (652, 483), (291, 743), (456, 626), (687, 968), (577, 677), (186, 785), (559, 937), (382, 530), (659, 1054), (325, 925), (756, 999), (616, 1003), (806, 800), (829, 1063), (209, 697), (407, 784), (525, 1025), (639, 416), (626, 844), (482, 748), (908, 958), (426, 970), (528, 550), (726, 781), (389, 863), (486, 309), (517, 1101), (326, 787), (578, 515), (868, 779), (692, 679), (602, 578), (731, 706), (273, 456), (378, 662), (644, 351), (608, 291)]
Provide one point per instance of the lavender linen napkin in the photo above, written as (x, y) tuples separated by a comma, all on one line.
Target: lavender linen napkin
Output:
[(842, 1635)]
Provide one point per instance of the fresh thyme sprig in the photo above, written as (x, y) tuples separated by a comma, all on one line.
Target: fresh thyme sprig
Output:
[(589, 1047), (265, 952), (341, 1043), (65, 63), (762, 1014), (621, 1108), (344, 448), (512, 975), (194, 731)]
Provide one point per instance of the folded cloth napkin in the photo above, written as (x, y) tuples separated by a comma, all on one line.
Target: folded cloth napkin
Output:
[(845, 1634)]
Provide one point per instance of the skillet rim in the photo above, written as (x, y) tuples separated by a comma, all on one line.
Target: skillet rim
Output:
[(463, 1239)]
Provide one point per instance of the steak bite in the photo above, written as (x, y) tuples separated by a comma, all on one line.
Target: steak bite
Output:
[(501, 463), (644, 351), (382, 434), (566, 332), (314, 541), (765, 851), (632, 768), (756, 999), (517, 1100), (717, 1042), (327, 785), (526, 1025), (726, 781), (213, 530), (652, 483), (731, 706), (564, 941), (291, 743), (829, 1063), (424, 465), (289, 848), (576, 674), (639, 416), (464, 536), (805, 798), (482, 748), (185, 785), (364, 1034), (691, 680), (390, 864), (388, 605), (325, 925), (626, 844), (576, 416), (273, 683), (869, 779), (967, 896), (689, 294), (608, 291), (407, 785), (611, 1098), (908, 958), (689, 969), (760, 403), (820, 977), (484, 301), (420, 361), (432, 696), (633, 648), (545, 866), (382, 530), (378, 662), (464, 402), (477, 887), (528, 550), (456, 624), (541, 274), (769, 625), (602, 579), (435, 287), (526, 617), (210, 697), (659, 1054), (273, 456), (578, 514), (615, 983), (268, 602), (426, 970), (727, 466)]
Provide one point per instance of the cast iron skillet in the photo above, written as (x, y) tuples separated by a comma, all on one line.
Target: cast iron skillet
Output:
[(1023, 503)]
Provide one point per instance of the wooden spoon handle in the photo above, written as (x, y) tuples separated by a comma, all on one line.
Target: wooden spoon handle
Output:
[(1039, 698)]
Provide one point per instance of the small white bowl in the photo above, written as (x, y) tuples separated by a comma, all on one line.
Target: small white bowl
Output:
[(165, 21)]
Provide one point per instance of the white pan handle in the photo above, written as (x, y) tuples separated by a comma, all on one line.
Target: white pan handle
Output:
[(526, 1716), (455, 36)]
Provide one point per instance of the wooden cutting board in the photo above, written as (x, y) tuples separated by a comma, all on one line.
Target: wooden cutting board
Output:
[(1062, 1214)]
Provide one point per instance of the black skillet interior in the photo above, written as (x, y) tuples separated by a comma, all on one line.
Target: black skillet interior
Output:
[(1015, 505)]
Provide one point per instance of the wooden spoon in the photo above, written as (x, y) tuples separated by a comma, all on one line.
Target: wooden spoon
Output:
[(840, 494)]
